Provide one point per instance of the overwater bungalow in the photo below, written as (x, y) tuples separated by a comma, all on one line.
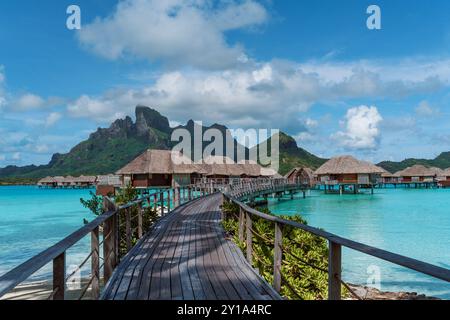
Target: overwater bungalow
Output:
[(303, 175), (108, 184), (389, 178), (157, 168), (445, 181), (163, 168), (419, 175), (47, 182), (85, 181), (347, 174)]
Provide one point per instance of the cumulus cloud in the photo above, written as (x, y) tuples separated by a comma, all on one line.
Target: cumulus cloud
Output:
[(361, 129), (179, 32), (52, 119), (271, 94), (29, 101)]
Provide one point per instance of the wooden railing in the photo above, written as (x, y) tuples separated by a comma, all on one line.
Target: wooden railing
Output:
[(335, 281), (106, 238)]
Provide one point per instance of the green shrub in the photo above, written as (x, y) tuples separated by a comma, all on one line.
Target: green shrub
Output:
[(308, 282)]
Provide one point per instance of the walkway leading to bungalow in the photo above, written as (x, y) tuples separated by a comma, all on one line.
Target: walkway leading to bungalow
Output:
[(187, 256)]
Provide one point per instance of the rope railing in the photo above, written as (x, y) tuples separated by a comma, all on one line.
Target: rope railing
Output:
[(336, 243), (109, 225)]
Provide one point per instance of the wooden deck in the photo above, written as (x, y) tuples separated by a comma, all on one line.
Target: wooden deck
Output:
[(187, 256)]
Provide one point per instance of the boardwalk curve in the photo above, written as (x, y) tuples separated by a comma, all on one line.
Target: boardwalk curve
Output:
[(187, 257)]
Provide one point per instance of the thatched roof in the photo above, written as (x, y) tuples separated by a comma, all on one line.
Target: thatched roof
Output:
[(85, 179), (224, 166), (387, 174), (446, 172), (169, 162), (161, 162), (418, 171), (348, 165), (109, 180), (47, 180), (308, 171)]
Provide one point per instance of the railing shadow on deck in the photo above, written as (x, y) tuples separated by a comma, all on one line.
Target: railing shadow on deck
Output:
[(335, 281)]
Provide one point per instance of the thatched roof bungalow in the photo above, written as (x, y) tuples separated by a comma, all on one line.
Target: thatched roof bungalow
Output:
[(347, 170), (388, 177), (303, 175), (47, 182), (85, 181), (419, 173), (162, 168)]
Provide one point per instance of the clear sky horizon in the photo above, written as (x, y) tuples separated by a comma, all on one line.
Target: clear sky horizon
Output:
[(310, 68)]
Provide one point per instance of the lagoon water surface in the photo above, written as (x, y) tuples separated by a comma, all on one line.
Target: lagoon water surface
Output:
[(415, 223), (410, 222)]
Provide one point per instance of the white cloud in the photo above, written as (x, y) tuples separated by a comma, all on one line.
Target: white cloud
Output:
[(361, 129), (178, 32), (52, 119), (426, 110), (28, 101), (271, 94)]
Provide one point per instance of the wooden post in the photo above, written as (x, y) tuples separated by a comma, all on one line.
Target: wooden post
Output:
[(241, 225), (95, 264), (190, 193), (168, 201), (128, 228), (277, 257), (174, 198), (155, 202), (140, 222), (161, 199), (249, 241), (59, 277), (334, 271), (110, 239)]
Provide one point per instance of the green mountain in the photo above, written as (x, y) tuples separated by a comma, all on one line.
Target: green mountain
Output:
[(292, 156), (106, 150), (442, 161), (109, 149)]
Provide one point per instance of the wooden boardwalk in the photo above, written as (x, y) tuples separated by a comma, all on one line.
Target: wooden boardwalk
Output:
[(187, 257)]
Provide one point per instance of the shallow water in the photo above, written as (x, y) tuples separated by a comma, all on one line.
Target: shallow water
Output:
[(33, 219), (414, 223)]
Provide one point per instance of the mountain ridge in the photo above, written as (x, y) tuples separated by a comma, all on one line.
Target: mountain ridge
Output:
[(108, 149)]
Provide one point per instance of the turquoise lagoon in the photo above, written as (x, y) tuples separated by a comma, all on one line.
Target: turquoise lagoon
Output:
[(410, 222), (33, 219), (415, 223)]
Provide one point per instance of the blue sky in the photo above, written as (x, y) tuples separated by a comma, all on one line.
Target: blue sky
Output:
[(311, 68)]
